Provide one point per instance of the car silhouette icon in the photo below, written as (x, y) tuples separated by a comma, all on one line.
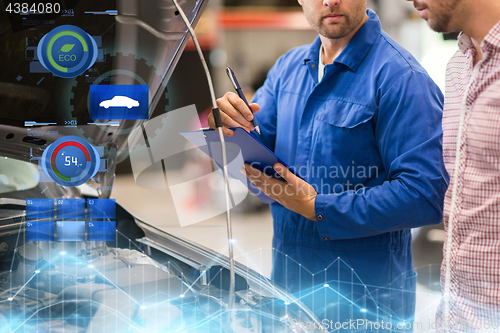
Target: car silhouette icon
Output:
[(119, 101)]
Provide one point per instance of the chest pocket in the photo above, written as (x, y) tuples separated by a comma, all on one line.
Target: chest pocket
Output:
[(343, 142)]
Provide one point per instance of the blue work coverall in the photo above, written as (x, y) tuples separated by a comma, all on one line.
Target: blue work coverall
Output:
[(368, 137)]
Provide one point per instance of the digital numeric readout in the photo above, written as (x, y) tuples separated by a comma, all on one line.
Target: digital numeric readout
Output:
[(35, 8)]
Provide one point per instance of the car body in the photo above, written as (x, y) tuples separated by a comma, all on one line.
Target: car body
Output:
[(145, 280)]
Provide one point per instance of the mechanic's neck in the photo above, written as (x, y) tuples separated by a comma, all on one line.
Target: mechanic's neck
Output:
[(482, 19), (333, 47)]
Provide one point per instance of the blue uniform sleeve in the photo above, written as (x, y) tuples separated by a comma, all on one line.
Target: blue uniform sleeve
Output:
[(265, 96), (409, 138)]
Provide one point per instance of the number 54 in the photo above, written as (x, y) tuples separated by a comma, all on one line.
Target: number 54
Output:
[(70, 159)]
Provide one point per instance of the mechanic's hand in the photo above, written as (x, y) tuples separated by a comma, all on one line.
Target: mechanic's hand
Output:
[(234, 113), (295, 194)]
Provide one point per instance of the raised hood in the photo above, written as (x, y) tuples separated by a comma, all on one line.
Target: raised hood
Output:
[(141, 44)]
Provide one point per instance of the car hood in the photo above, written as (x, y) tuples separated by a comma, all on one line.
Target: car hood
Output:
[(145, 280)]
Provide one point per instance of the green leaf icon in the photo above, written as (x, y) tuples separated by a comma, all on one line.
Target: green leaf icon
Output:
[(66, 47)]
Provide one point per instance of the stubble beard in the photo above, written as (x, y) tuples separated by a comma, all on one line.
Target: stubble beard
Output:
[(440, 21), (342, 31), (336, 30)]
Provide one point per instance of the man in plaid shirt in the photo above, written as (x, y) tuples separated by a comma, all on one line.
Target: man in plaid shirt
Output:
[(470, 274)]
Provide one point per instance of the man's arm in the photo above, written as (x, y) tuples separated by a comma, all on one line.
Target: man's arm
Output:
[(409, 138)]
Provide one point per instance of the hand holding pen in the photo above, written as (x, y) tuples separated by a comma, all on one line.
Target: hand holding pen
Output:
[(235, 110), (237, 87)]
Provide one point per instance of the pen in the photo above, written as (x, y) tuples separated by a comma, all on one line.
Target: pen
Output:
[(237, 87)]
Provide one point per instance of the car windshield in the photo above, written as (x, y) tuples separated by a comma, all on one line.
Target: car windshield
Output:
[(16, 175)]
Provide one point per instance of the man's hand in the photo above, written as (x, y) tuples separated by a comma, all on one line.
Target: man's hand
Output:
[(234, 113), (295, 194)]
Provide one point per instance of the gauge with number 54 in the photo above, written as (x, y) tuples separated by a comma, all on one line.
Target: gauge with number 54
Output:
[(70, 161)]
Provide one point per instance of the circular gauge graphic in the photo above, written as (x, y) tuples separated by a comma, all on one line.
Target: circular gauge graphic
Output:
[(67, 51), (70, 161)]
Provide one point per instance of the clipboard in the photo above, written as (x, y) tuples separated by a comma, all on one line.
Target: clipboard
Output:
[(251, 149)]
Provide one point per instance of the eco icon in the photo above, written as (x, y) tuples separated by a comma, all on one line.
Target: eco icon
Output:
[(67, 51), (66, 48)]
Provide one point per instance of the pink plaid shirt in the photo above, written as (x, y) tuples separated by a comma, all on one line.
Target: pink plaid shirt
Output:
[(475, 244)]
